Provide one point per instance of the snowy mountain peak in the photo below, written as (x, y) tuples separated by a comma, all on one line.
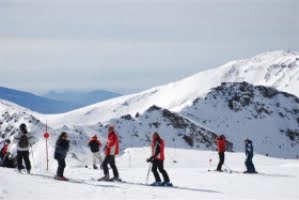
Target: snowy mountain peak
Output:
[(241, 110)]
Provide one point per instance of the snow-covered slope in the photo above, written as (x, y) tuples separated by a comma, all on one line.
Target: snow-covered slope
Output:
[(240, 110), (274, 128), (133, 132), (278, 69), (278, 179)]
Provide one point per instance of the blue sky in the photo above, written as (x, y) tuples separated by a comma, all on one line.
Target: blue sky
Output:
[(131, 45)]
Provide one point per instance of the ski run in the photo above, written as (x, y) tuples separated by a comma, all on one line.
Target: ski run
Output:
[(277, 179)]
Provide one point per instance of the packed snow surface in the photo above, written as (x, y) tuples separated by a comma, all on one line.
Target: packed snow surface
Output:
[(278, 179)]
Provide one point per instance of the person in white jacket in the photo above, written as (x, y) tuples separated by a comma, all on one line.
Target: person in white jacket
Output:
[(24, 140)]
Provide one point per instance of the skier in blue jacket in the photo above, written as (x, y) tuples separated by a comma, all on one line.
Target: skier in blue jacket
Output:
[(249, 155)]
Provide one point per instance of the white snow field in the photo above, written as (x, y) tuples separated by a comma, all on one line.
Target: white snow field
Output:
[(278, 179)]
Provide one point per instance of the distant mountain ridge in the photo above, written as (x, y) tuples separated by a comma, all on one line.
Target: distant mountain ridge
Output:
[(63, 103), (35, 102), (82, 98)]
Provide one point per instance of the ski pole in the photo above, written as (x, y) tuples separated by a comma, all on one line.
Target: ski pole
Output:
[(148, 172)]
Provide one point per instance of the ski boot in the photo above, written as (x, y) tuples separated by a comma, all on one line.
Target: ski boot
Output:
[(156, 183), (167, 184), (61, 178), (104, 178), (116, 179)]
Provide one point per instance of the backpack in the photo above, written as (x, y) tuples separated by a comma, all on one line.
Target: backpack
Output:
[(94, 146), (24, 142)]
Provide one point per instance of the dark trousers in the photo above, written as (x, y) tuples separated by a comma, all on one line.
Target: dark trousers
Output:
[(249, 164), (221, 160), (23, 155), (111, 161), (159, 164), (61, 166)]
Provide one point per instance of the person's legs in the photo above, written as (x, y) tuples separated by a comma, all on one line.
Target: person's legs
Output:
[(155, 171), (105, 165), (61, 166), (94, 159), (19, 160), (221, 161), (251, 167), (114, 168), (163, 171), (27, 160)]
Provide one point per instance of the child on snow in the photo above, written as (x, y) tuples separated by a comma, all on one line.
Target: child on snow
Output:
[(61, 149), (249, 155), (95, 145)]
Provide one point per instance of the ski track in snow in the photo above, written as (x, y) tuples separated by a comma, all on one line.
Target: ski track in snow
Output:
[(278, 179)]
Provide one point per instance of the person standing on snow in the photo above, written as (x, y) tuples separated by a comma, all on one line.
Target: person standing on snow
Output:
[(4, 148), (61, 149), (24, 140), (95, 145), (221, 142), (157, 159), (249, 155), (111, 150)]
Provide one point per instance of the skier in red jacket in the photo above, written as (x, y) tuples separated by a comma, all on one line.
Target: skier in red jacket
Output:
[(157, 159), (221, 142), (4, 149), (111, 150)]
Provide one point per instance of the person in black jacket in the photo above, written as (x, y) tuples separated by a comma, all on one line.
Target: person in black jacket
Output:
[(61, 149), (95, 145), (249, 155)]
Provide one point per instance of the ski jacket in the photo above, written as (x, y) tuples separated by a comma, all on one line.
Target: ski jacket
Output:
[(221, 142), (4, 149), (112, 145), (61, 149), (17, 139), (158, 147), (249, 148), (94, 145)]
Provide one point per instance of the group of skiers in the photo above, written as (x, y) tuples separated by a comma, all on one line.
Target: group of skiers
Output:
[(24, 140), (221, 147)]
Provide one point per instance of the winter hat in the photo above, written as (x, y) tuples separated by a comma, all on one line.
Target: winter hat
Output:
[(7, 141), (94, 137), (111, 128), (23, 128)]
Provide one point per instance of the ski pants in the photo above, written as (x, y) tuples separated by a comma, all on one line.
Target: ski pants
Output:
[(61, 166), (96, 156), (23, 155), (110, 159), (159, 165), (221, 160), (249, 164)]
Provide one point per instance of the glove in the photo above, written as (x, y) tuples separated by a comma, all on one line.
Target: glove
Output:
[(151, 159)]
